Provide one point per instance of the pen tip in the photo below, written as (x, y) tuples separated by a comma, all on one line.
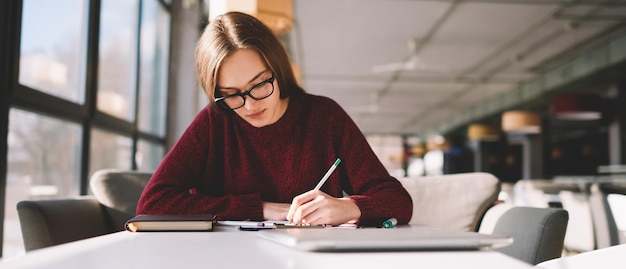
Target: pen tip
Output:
[(337, 161)]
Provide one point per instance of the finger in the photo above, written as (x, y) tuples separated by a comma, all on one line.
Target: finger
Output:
[(301, 211), (292, 208), (297, 202), (309, 212), (314, 217)]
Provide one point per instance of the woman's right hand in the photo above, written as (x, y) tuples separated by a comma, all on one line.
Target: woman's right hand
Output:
[(316, 207)]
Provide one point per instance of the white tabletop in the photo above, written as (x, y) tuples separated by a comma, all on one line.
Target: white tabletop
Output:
[(605, 258), (229, 248)]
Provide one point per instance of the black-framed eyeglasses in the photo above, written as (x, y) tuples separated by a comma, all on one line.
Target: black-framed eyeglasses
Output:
[(257, 92)]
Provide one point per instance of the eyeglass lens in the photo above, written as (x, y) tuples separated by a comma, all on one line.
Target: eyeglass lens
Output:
[(256, 92)]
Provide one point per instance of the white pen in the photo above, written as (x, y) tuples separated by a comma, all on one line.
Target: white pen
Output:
[(327, 175)]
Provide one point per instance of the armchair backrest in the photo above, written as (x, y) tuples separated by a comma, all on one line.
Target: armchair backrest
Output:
[(47, 223), (538, 233), (118, 191), (452, 201)]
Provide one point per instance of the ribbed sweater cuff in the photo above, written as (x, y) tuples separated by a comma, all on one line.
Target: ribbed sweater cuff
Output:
[(366, 205)]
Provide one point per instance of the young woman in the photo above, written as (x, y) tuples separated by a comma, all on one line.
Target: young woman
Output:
[(262, 144)]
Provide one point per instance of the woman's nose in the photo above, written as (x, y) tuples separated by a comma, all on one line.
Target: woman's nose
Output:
[(250, 103)]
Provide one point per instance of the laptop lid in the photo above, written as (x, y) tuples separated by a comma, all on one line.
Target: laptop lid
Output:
[(378, 239)]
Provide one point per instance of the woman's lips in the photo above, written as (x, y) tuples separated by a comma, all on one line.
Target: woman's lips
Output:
[(257, 114)]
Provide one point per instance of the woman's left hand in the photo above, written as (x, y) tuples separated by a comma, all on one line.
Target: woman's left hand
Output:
[(316, 207), (275, 211)]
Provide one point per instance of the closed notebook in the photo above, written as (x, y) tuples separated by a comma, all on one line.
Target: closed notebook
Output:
[(170, 223)]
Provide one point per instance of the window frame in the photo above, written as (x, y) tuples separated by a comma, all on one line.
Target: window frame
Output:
[(15, 95)]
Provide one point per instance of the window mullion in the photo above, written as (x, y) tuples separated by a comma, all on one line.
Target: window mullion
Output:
[(91, 85)]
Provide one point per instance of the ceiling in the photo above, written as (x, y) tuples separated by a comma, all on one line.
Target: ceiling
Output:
[(466, 53)]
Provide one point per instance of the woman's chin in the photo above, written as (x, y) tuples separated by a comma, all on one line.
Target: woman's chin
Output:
[(258, 123)]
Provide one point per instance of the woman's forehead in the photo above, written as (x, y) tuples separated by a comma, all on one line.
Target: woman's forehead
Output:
[(239, 68)]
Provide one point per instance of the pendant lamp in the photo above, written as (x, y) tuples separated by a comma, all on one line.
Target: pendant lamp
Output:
[(276, 14), (521, 122), (577, 106), (483, 132)]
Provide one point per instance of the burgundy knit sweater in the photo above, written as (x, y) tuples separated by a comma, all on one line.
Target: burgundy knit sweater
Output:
[(225, 166)]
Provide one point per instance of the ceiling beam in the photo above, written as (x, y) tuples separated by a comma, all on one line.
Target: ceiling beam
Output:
[(594, 62)]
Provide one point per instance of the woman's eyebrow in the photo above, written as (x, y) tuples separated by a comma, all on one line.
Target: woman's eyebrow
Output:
[(250, 81)]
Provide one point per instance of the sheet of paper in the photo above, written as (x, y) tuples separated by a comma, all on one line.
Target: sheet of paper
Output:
[(247, 223)]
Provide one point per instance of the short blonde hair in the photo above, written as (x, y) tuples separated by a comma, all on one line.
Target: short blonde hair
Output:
[(233, 31)]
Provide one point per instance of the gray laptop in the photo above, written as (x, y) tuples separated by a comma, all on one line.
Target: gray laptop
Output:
[(378, 239)]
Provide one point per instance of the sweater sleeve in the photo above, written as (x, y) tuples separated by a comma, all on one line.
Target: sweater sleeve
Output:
[(173, 188), (378, 195)]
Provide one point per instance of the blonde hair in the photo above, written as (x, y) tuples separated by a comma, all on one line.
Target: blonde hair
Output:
[(233, 31)]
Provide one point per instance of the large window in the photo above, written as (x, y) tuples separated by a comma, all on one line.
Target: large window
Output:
[(88, 91)]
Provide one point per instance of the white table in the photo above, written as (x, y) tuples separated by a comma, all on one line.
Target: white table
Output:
[(229, 248), (605, 258)]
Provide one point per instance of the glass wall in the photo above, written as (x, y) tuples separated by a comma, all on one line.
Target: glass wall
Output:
[(89, 92)]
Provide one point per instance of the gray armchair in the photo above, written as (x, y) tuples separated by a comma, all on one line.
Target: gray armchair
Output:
[(452, 201), (47, 223), (465, 202), (118, 191), (538, 233)]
